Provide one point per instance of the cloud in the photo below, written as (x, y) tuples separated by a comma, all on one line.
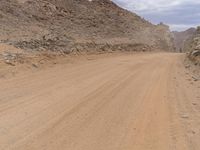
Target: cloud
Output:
[(181, 27), (180, 14)]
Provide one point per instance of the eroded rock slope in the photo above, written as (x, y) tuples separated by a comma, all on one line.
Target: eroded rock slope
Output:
[(78, 26)]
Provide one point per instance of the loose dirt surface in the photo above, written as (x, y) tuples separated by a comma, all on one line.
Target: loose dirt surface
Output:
[(124, 102)]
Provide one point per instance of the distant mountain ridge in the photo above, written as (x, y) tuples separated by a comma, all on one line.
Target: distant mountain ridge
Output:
[(181, 37)]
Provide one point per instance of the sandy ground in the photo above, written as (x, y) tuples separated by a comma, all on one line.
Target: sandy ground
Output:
[(124, 102)]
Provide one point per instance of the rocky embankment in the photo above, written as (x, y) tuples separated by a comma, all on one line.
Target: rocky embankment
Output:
[(192, 46), (78, 26)]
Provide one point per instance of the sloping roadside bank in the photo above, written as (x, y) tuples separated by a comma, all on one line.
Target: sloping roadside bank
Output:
[(14, 60)]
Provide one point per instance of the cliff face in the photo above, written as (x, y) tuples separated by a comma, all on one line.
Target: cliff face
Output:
[(78, 25)]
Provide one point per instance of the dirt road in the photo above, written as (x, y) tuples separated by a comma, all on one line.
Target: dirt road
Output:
[(124, 102)]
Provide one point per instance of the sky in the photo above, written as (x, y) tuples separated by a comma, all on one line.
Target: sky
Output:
[(178, 14)]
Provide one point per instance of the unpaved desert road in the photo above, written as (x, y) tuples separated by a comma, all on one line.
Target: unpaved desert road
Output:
[(124, 102)]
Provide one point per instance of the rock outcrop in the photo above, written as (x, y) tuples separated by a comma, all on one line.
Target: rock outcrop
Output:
[(192, 46)]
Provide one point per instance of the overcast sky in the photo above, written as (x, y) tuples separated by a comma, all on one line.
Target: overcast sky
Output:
[(179, 14)]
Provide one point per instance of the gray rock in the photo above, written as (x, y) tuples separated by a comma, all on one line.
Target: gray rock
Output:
[(9, 62), (195, 78), (184, 116), (195, 53)]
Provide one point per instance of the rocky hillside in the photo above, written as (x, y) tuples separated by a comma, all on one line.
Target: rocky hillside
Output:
[(181, 37), (78, 25), (192, 45)]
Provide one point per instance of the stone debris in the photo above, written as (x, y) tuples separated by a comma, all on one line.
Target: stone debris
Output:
[(11, 58)]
